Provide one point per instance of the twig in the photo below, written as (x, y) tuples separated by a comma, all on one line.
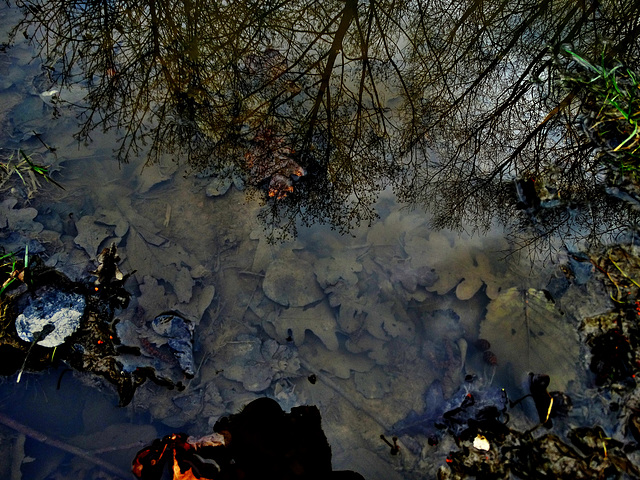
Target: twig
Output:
[(117, 448), (359, 408), (247, 272), (59, 444), (18, 457)]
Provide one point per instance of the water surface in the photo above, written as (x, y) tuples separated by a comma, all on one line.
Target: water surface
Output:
[(386, 317)]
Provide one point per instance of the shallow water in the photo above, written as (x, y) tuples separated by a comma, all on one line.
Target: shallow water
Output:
[(386, 318)]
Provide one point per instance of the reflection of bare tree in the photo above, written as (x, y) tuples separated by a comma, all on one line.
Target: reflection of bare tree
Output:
[(448, 102), (492, 105)]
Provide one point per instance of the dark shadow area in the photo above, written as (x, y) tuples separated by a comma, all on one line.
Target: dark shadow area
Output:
[(318, 106), (261, 441)]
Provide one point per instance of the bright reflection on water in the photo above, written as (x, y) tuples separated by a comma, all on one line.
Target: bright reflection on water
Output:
[(388, 319)]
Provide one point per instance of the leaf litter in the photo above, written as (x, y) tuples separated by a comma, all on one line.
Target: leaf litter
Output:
[(409, 265)]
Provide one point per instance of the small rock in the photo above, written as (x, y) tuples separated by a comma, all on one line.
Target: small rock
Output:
[(61, 309)]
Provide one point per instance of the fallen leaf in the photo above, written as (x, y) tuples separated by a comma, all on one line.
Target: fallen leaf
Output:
[(291, 283), (339, 362), (457, 265), (256, 363), (153, 297), (319, 319), (18, 219), (201, 298), (91, 235), (381, 322), (162, 262), (265, 252), (341, 265), (218, 186), (58, 310), (352, 309), (526, 330), (442, 324), (153, 175), (372, 384), (114, 219), (397, 224), (115, 437)]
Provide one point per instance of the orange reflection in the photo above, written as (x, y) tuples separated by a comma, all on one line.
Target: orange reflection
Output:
[(137, 468), (188, 475), (281, 191), (176, 445)]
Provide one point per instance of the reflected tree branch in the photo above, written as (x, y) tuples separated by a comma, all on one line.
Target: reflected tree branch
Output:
[(448, 102)]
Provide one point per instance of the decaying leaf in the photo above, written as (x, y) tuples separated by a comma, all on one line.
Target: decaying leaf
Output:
[(256, 363), (295, 322), (91, 235), (528, 331), (115, 219), (18, 219), (179, 334), (341, 265), (165, 262), (384, 321), (459, 266), (265, 252), (291, 283), (424, 252), (442, 324), (200, 301), (339, 363), (153, 297), (372, 384), (114, 436), (367, 343), (400, 271), (218, 186), (108, 270), (389, 231), (153, 175), (352, 308)]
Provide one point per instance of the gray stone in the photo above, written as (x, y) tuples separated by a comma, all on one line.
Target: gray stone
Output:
[(61, 309)]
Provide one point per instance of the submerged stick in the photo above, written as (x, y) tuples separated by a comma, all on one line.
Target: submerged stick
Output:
[(18, 457), (59, 444)]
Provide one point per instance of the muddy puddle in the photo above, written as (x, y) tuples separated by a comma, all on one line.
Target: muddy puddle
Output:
[(388, 329)]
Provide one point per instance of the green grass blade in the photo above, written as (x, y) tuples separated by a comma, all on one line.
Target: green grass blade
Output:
[(6, 285), (582, 61), (633, 134)]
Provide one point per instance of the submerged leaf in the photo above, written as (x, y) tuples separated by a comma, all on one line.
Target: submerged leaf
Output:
[(352, 307), (528, 331), (162, 262), (256, 363), (91, 235), (218, 186), (340, 363), (18, 219), (179, 331), (296, 321), (153, 297), (458, 265), (291, 283), (341, 265)]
